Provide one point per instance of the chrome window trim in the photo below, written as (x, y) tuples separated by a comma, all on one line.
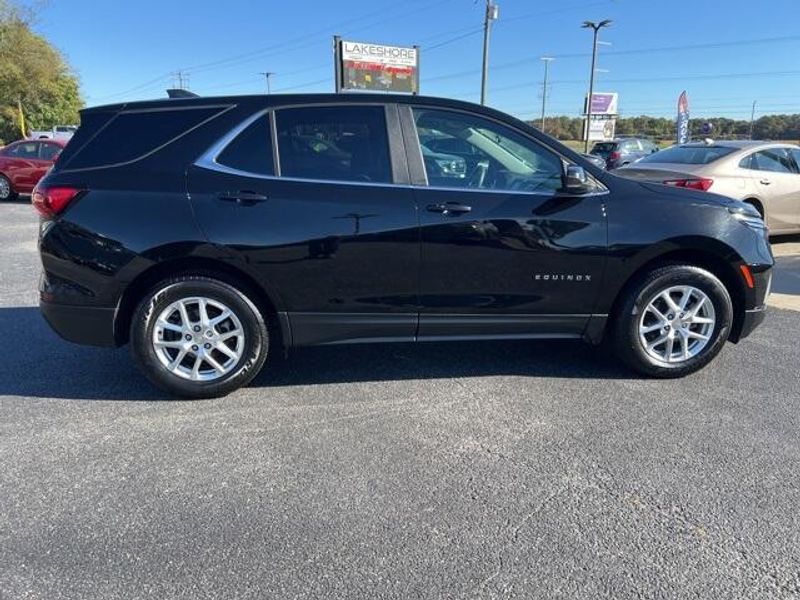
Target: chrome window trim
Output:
[(208, 160)]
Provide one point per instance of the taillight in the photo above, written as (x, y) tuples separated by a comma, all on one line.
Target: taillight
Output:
[(615, 155), (51, 200), (701, 183)]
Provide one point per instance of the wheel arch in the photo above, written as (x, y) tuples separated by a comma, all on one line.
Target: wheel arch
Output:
[(706, 258), (266, 301)]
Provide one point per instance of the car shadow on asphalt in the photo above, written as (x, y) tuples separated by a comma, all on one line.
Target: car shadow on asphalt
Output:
[(45, 366)]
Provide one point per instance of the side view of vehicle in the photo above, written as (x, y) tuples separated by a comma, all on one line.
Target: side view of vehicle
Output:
[(24, 163), (228, 229), (623, 151), (765, 175)]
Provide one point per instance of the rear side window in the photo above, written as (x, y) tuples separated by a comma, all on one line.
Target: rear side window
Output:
[(339, 143), (48, 151), (688, 155), (251, 151), (130, 136)]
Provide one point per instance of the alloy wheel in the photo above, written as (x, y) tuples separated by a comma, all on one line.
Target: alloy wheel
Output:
[(5, 189), (677, 324), (198, 339)]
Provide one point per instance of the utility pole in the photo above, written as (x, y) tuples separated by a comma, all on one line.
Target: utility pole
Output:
[(267, 75), (596, 27), (489, 18), (181, 79), (752, 119), (547, 60)]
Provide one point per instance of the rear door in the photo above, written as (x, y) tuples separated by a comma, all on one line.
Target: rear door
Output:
[(504, 251), (314, 202)]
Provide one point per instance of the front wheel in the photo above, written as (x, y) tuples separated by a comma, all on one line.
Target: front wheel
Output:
[(673, 321), (198, 337)]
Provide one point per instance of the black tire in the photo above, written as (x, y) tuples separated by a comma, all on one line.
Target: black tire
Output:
[(625, 329), (11, 195), (255, 344)]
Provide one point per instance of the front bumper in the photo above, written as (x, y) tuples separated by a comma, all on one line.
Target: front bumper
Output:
[(752, 319), (88, 325)]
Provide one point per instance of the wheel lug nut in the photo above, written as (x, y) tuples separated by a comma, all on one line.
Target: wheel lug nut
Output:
[(188, 338), (197, 328), (207, 346), (195, 348)]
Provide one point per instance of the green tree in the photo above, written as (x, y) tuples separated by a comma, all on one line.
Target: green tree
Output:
[(34, 73)]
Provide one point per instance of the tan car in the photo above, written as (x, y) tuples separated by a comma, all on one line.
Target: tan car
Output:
[(765, 174)]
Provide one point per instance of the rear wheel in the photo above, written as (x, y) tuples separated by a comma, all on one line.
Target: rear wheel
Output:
[(673, 321), (6, 191), (198, 337)]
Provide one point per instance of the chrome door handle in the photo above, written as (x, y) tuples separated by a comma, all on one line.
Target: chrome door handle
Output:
[(245, 198), (765, 181), (449, 208)]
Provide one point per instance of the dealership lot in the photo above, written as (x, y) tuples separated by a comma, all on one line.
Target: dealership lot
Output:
[(439, 470)]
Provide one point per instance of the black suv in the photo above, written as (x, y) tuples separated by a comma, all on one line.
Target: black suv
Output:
[(212, 232)]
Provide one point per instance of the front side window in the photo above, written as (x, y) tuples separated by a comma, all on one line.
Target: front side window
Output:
[(251, 150), (462, 150), (774, 160), (337, 143), (25, 150)]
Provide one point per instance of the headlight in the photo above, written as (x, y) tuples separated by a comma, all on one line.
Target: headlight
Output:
[(748, 215)]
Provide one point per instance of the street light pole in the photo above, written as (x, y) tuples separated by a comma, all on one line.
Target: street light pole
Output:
[(547, 60), (596, 27), (267, 75), (489, 17), (752, 119)]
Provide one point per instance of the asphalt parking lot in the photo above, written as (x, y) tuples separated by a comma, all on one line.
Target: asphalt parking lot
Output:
[(432, 471)]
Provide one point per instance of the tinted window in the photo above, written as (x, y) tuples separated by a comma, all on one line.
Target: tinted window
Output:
[(25, 150), (251, 151), (129, 136), (341, 143), (48, 151), (495, 157), (688, 155), (795, 152), (776, 160)]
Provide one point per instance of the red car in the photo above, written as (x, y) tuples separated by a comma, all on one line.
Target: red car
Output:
[(24, 163)]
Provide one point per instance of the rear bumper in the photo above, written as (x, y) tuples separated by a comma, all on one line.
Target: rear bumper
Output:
[(88, 325)]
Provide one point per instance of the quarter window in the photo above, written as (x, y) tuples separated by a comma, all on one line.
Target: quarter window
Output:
[(251, 151), (461, 150), (341, 143)]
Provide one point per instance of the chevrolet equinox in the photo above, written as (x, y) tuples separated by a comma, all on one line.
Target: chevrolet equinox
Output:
[(212, 232)]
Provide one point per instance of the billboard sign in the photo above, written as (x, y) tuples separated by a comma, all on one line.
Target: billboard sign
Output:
[(604, 104), (376, 67), (601, 128), (682, 132)]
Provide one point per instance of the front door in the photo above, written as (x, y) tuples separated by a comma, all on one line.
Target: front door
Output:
[(325, 228), (778, 183), (504, 251)]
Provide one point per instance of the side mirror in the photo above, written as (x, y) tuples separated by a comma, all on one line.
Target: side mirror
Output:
[(575, 179)]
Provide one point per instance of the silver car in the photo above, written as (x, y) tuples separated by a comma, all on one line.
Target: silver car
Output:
[(764, 174)]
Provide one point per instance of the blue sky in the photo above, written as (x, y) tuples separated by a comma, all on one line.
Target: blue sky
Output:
[(738, 51)]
